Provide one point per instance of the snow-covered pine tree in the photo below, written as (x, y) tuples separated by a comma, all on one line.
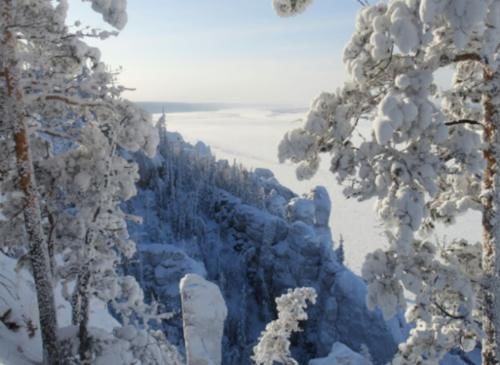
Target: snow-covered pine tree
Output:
[(92, 235), (65, 127), (15, 135), (425, 155)]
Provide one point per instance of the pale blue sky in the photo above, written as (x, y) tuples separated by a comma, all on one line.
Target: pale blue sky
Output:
[(235, 51)]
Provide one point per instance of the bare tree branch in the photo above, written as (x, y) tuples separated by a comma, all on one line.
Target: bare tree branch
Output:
[(448, 314), (463, 121), (73, 102)]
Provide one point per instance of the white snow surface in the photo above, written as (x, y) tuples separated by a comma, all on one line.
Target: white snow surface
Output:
[(251, 136), (17, 293)]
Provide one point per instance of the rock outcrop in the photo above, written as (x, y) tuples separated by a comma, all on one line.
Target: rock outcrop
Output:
[(341, 354), (255, 239), (203, 314)]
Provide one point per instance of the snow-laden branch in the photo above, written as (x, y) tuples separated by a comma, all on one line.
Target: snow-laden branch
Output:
[(392, 134), (274, 342), (290, 7)]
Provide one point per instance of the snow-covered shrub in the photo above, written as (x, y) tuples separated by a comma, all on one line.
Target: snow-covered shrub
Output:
[(124, 346), (274, 342)]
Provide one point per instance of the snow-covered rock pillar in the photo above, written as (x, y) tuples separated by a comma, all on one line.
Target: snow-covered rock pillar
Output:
[(322, 205), (203, 315)]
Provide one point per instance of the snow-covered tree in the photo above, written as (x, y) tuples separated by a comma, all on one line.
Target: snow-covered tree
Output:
[(290, 7), (274, 342), (427, 153), (91, 232), (63, 174)]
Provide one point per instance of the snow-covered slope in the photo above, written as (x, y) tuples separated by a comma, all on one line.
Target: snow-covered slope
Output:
[(255, 239), (20, 341), (114, 344)]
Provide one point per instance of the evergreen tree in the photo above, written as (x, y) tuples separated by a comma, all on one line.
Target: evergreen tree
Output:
[(65, 128), (428, 156)]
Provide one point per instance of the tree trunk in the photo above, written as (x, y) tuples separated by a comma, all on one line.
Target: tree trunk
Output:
[(81, 295), (491, 226), (83, 314), (80, 304), (38, 250), (75, 305)]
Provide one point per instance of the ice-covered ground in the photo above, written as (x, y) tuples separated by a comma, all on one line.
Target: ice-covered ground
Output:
[(251, 136)]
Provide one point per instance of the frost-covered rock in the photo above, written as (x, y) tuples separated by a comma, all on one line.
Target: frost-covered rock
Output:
[(322, 206), (341, 355), (357, 326), (313, 209), (203, 315), (169, 263), (255, 239), (302, 210)]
